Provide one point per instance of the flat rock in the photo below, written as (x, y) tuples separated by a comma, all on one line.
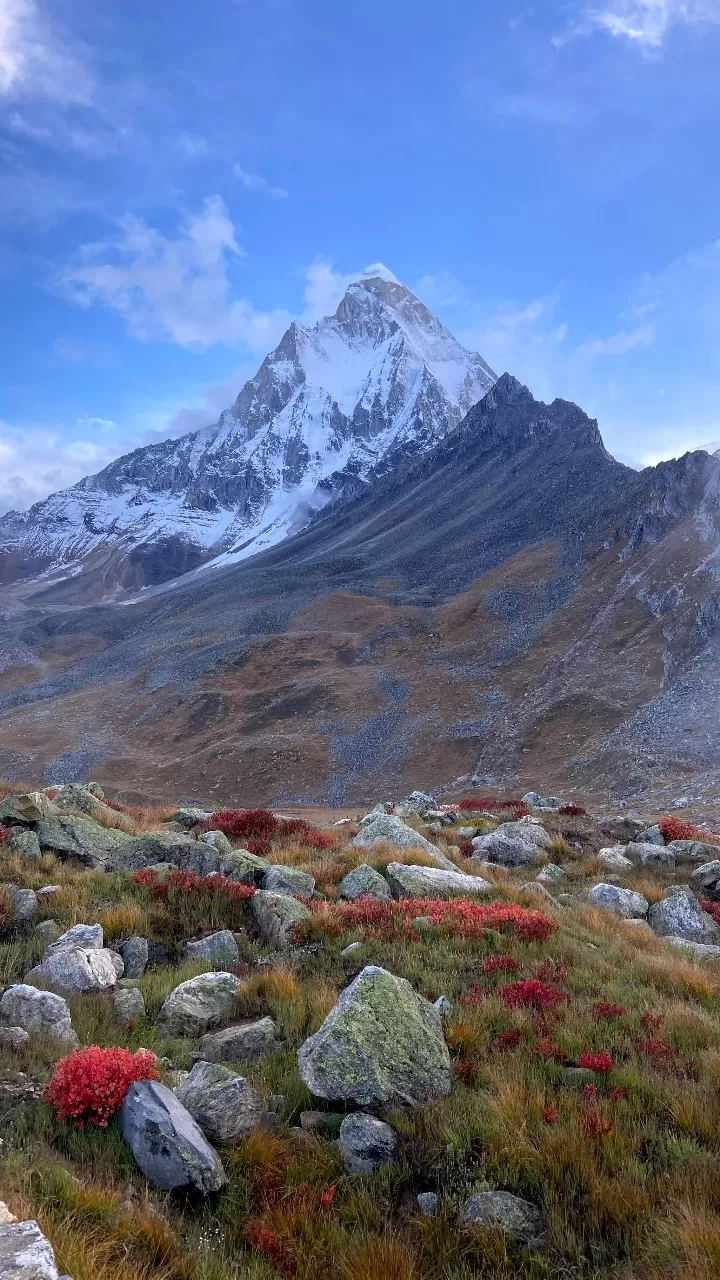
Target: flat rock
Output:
[(40, 1013), (385, 828), (381, 1043), (694, 850), (622, 902), (680, 916), (275, 915), (363, 882), (198, 1004), (433, 882), (517, 1218), (81, 838), (218, 948), (190, 817), (365, 1143), (89, 937), (25, 1253), (177, 848), (224, 1105), (167, 1144), (243, 1042), (280, 879), (135, 952)]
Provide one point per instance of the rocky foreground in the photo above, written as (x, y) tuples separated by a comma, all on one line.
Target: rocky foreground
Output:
[(457, 1041)]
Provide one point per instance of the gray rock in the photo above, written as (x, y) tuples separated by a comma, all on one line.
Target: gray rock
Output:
[(244, 867), (381, 1043), (24, 905), (129, 1004), (243, 1042), (13, 1038), (465, 833), (48, 891), (623, 828), (217, 841), (432, 882), (384, 828), (512, 844), (517, 1218), (351, 949), (190, 817), (281, 879), (443, 1006), (427, 1203), (542, 802), (25, 844), (679, 916), (31, 806), (25, 1253), (82, 838), (538, 890), (177, 848), (275, 915), (622, 902), (40, 1013), (224, 1105), (694, 850), (550, 873), (79, 971), (134, 952), (579, 1077), (88, 937), (198, 1004), (705, 881), (365, 1143), (616, 859), (363, 882), (219, 948), (651, 855), (698, 950), (651, 835), (167, 1144)]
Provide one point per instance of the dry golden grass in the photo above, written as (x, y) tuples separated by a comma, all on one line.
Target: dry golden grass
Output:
[(379, 1257), (122, 921)]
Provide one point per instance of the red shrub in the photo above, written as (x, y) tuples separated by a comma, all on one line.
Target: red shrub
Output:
[(546, 1049), (550, 1115), (474, 995), (618, 1092), (327, 1196), (590, 1092), (464, 917), (712, 908), (675, 829), (264, 1241), (242, 824), (657, 1049), (500, 964), (598, 1126), (572, 811), (90, 1085), (601, 1062), (516, 808), (116, 805), (5, 834), (552, 970), (188, 882), (652, 1020), (509, 1039), (261, 848), (466, 1069), (531, 994), (603, 1009)]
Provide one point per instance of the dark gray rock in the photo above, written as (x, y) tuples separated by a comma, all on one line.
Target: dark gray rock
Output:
[(25, 1253), (224, 1105), (363, 882), (622, 902), (24, 905), (243, 1042), (40, 1013), (190, 817), (198, 1004), (694, 850), (366, 1143), (680, 916), (705, 881), (218, 948), (517, 1218), (433, 882), (134, 952), (281, 879), (276, 915), (167, 1144), (129, 1004)]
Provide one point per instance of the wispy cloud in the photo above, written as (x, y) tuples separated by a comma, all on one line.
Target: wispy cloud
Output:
[(260, 186), (646, 23), (621, 343), (35, 461), (38, 59)]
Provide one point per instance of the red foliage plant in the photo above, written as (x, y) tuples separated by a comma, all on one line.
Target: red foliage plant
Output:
[(546, 1049), (261, 826), (4, 834), (600, 1062), (572, 811), (531, 994), (552, 970), (550, 1115), (517, 808), (657, 1049), (604, 1009), (466, 1069), (464, 917), (264, 1241), (90, 1085), (500, 964), (598, 1126), (509, 1039), (189, 882), (675, 829), (712, 908)]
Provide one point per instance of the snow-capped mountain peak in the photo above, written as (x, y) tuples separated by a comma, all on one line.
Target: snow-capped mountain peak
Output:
[(329, 404)]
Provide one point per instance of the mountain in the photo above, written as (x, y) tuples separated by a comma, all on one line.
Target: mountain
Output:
[(328, 405), (510, 604)]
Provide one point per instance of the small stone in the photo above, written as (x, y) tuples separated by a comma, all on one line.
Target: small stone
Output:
[(578, 1076), (244, 867), (134, 952), (517, 1218), (190, 817), (219, 842), (24, 905), (366, 1143), (13, 1038), (243, 1042), (651, 835), (351, 949), (291, 880), (224, 1105), (427, 1203), (5, 1215), (218, 948), (129, 1004), (276, 915), (198, 1004), (550, 873), (166, 1142), (49, 890), (705, 880), (443, 1006), (616, 859), (363, 882), (698, 950)]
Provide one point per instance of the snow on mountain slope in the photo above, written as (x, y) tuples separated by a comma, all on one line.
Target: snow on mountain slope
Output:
[(324, 408)]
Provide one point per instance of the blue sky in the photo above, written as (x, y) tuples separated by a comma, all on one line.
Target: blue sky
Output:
[(179, 180)]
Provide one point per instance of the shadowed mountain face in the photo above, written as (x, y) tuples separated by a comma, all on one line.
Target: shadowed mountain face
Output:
[(512, 604)]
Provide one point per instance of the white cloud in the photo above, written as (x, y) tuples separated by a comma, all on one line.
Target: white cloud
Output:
[(261, 186), (441, 290), (38, 59), (527, 340), (174, 290), (35, 461), (646, 22), (192, 146), (620, 343)]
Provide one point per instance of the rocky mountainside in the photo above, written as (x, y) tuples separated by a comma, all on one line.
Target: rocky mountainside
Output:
[(508, 604), (380, 377)]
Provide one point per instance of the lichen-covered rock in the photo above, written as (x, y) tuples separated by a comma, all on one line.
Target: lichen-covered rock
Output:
[(244, 867), (24, 905), (219, 842), (46, 932), (517, 1218), (40, 1013), (694, 850), (550, 873), (135, 952), (384, 828), (167, 1144), (13, 1038), (363, 882), (512, 844), (81, 838), (365, 1143), (25, 1253), (80, 971), (537, 801), (281, 879), (190, 817), (433, 882), (615, 859), (696, 950), (129, 1004), (89, 937), (705, 880), (218, 948), (175, 847), (243, 1042), (680, 916), (25, 844), (651, 855), (31, 806), (276, 915), (224, 1105), (651, 835), (198, 1004), (622, 902), (381, 1043)]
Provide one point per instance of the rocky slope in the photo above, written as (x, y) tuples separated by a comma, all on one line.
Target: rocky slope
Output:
[(331, 402)]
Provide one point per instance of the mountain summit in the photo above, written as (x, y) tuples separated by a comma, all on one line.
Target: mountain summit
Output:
[(380, 377)]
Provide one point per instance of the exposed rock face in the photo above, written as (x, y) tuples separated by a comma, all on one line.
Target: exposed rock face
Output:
[(39, 1013), (219, 842), (679, 916), (275, 915), (224, 1105), (243, 1042), (24, 904), (167, 1144), (25, 1253), (198, 1004), (366, 1143), (89, 937), (432, 882), (363, 882), (289, 880), (518, 1218), (385, 828), (693, 850), (32, 806), (242, 866), (219, 948), (25, 843), (622, 902), (382, 1043), (81, 838)]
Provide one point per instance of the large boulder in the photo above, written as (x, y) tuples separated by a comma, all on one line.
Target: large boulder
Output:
[(536, 801), (696, 950), (25, 1253), (175, 847), (190, 817), (622, 902), (515, 1217), (680, 916), (40, 1013), (381, 1043), (243, 1042), (384, 828), (705, 881), (82, 838), (365, 1143), (363, 882), (276, 915), (135, 952), (79, 971), (198, 1004), (218, 841), (694, 850), (225, 1106), (30, 807), (218, 948), (129, 1004), (651, 855), (167, 1144), (512, 844), (89, 937), (242, 866), (615, 859), (281, 879), (432, 882), (651, 835)]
